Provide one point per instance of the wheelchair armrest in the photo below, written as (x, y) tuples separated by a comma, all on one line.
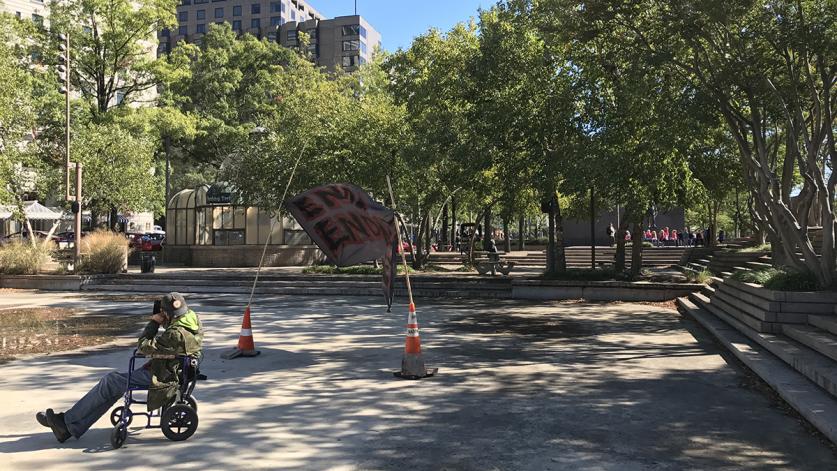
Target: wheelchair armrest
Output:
[(201, 377)]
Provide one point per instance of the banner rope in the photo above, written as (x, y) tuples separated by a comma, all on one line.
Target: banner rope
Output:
[(273, 224)]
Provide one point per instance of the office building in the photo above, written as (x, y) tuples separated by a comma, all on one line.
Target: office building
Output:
[(35, 10), (343, 42)]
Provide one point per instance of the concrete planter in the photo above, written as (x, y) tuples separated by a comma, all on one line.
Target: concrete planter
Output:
[(600, 290), (44, 282)]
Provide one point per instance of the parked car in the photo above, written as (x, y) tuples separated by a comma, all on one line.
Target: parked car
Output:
[(68, 237), (24, 237), (152, 242)]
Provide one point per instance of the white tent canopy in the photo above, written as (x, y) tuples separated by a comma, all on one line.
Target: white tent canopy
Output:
[(33, 211)]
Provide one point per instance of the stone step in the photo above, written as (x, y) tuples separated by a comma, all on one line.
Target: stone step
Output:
[(826, 323), (708, 291), (728, 314), (760, 313), (814, 338), (816, 404)]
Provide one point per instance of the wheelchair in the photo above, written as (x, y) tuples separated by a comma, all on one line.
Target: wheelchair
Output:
[(178, 420)]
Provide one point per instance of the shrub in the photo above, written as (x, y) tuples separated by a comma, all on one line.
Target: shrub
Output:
[(103, 252), (778, 279), (702, 276), (21, 258)]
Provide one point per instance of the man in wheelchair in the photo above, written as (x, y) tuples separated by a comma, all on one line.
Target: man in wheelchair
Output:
[(183, 336)]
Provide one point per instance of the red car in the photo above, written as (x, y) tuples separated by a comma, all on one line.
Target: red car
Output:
[(147, 242)]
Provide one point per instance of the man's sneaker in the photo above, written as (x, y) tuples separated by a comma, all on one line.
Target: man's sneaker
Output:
[(41, 418), (59, 428)]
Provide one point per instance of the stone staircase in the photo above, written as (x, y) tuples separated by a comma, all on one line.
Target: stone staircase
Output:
[(725, 262), (798, 328), (464, 286), (580, 257)]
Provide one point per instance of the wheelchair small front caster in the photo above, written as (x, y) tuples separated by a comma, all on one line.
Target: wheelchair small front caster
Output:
[(179, 422), (118, 436), (116, 416)]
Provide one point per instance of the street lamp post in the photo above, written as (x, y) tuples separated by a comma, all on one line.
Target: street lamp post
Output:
[(63, 69)]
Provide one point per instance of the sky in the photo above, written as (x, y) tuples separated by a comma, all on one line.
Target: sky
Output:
[(399, 21)]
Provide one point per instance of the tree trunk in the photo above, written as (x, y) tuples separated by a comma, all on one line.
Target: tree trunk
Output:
[(487, 233), (113, 219), (619, 256), (453, 230), (507, 241), (443, 243), (636, 251), (521, 235), (560, 255), (551, 266), (592, 229)]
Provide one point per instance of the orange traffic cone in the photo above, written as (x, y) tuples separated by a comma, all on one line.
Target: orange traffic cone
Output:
[(246, 346), (412, 365)]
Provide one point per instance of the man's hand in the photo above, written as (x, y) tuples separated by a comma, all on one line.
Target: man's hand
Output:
[(159, 318)]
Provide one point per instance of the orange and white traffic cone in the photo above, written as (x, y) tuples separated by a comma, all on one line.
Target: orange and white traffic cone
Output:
[(246, 346), (412, 365)]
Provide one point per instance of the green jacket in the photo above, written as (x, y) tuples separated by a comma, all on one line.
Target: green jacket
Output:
[(183, 337)]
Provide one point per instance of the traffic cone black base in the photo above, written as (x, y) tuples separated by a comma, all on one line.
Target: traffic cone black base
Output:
[(235, 353)]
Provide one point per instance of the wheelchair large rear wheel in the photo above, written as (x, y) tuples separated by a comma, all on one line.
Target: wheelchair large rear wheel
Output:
[(179, 422), (118, 436)]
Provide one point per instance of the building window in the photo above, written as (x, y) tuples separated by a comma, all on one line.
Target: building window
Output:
[(37, 19), (165, 33), (186, 2), (201, 15), (352, 45), (182, 30), (237, 10), (363, 48), (183, 16), (219, 13), (201, 28), (271, 36), (350, 61), (255, 23), (255, 8), (351, 30), (293, 15), (292, 36), (275, 7), (362, 32), (120, 97), (237, 25), (312, 33), (201, 1), (17, 14), (275, 20)]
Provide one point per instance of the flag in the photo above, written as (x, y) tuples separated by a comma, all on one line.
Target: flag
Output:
[(349, 227)]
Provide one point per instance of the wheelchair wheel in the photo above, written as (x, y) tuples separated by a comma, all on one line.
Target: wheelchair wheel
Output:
[(179, 422), (118, 436), (116, 416), (192, 403)]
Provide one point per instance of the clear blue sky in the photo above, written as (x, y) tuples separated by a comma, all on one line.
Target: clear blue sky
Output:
[(399, 21)]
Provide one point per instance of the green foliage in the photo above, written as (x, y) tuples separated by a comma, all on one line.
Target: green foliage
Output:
[(103, 252), (23, 258), (118, 168), (779, 279), (702, 277), (112, 46)]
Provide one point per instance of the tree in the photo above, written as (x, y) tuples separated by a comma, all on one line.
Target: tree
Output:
[(118, 168), (112, 47), (430, 80), (768, 68)]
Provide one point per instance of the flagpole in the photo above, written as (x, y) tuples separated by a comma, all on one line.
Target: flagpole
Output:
[(401, 249)]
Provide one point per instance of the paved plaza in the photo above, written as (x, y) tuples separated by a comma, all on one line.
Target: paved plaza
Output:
[(531, 386)]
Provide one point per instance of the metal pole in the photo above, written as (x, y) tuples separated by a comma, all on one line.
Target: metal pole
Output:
[(67, 121), (77, 257), (403, 254)]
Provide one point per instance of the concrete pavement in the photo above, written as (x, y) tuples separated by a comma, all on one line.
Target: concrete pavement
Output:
[(521, 386)]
